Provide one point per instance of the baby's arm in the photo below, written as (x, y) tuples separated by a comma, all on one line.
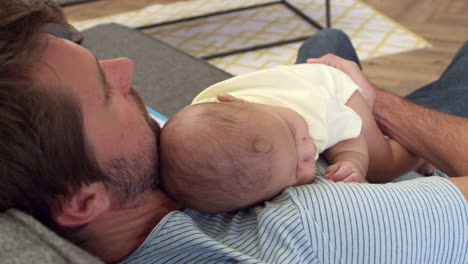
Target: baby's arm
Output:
[(388, 159), (349, 159)]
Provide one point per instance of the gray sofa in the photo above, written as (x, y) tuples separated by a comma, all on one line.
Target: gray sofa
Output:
[(166, 77)]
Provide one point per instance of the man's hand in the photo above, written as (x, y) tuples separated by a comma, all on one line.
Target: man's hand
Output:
[(344, 171), (227, 98), (353, 71)]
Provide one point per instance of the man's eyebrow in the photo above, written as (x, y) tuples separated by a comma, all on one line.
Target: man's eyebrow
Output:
[(105, 83)]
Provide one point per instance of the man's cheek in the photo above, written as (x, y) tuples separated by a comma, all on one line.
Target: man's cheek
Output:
[(138, 100)]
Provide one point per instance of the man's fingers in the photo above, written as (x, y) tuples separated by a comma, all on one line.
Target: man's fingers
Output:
[(228, 98), (352, 69), (328, 59)]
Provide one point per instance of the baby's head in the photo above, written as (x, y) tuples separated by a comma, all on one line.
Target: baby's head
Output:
[(220, 157)]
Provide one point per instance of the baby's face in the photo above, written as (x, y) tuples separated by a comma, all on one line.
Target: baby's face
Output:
[(293, 149), (299, 142)]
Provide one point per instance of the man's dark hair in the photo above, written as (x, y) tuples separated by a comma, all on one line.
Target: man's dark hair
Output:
[(43, 151)]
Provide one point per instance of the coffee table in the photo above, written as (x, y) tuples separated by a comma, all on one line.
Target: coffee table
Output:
[(285, 3)]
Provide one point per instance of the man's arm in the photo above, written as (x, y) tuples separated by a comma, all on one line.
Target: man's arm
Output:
[(462, 184), (437, 137)]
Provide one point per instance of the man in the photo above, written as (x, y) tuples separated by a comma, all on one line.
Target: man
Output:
[(79, 153), (76, 140)]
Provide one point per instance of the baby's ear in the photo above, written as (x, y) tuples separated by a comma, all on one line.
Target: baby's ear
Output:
[(227, 98)]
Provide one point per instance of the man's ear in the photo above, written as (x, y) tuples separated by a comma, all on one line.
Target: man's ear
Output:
[(85, 205), (227, 98)]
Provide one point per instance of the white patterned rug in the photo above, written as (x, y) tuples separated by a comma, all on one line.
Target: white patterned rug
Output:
[(372, 33)]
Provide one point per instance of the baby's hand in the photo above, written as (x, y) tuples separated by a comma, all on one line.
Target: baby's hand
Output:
[(345, 171)]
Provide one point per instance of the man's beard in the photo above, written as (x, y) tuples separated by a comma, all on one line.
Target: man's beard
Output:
[(131, 176)]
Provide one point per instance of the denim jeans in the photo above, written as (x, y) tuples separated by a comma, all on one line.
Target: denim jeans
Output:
[(327, 41), (449, 94)]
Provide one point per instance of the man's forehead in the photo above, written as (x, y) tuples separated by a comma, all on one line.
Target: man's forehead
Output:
[(60, 60), (67, 66), (60, 50)]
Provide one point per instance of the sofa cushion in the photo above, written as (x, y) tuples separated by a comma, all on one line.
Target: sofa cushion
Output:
[(166, 77), (24, 240)]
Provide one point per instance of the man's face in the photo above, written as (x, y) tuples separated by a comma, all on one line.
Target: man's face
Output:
[(116, 123)]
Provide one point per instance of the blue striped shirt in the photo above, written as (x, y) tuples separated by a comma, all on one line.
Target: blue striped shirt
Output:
[(419, 221)]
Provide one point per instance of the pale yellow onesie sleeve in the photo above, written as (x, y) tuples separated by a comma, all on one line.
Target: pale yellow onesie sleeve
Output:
[(317, 92)]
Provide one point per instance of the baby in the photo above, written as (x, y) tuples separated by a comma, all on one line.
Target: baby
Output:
[(243, 140)]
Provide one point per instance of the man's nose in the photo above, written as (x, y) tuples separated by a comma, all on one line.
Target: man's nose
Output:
[(118, 73)]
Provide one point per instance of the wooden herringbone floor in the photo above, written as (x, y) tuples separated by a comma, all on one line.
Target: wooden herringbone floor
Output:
[(444, 23)]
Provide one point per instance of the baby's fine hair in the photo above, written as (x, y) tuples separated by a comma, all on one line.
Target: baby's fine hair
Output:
[(212, 159)]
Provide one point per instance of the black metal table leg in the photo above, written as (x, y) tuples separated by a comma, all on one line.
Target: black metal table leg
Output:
[(64, 4)]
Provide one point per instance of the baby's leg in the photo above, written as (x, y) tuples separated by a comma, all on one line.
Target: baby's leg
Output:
[(387, 158)]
